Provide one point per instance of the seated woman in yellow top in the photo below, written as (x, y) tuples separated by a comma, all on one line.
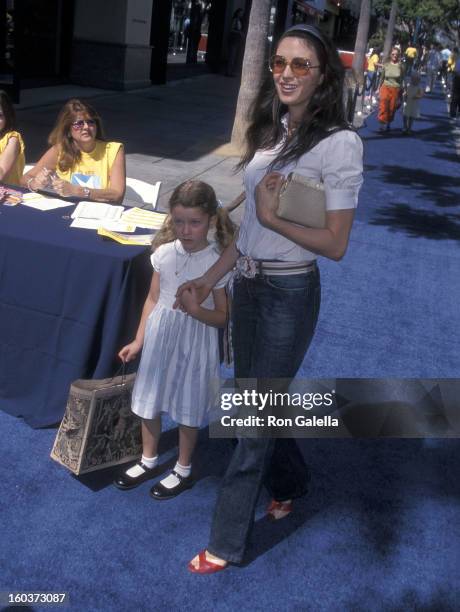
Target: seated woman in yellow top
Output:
[(80, 162), (11, 144)]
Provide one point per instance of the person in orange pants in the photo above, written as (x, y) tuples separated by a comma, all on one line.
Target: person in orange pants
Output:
[(391, 90)]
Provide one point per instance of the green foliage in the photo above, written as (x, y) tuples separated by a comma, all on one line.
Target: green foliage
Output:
[(434, 15)]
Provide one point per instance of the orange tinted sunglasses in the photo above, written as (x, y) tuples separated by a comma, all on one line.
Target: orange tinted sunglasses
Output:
[(299, 66)]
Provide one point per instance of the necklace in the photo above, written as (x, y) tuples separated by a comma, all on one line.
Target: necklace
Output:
[(181, 268)]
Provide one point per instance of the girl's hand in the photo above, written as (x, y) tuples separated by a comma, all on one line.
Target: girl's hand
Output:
[(189, 301), (64, 188), (267, 198), (201, 290), (130, 351)]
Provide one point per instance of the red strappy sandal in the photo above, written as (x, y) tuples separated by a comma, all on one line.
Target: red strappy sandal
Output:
[(204, 565), (278, 510)]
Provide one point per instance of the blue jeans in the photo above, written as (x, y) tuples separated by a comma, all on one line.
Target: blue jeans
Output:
[(274, 318)]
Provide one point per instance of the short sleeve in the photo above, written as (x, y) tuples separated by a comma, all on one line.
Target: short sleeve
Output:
[(17, 135), (223, 281), (342, 170), (112, 149), (156, 258)]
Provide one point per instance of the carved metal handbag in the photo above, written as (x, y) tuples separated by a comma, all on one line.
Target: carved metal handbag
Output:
[(98, 429), (303, 201)]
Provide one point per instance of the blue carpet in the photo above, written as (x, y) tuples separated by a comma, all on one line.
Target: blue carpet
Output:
[(379, 530)]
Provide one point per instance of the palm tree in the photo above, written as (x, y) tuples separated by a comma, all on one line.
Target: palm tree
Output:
[(254, 65), (390, 31), (361, 41)]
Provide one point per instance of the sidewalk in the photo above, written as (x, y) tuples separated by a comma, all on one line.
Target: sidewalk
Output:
[(170, 132)]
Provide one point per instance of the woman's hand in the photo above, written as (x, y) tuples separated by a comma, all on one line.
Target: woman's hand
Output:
[(268, 198), (64, 188), (201, 290), (130, 351), (41, 180)]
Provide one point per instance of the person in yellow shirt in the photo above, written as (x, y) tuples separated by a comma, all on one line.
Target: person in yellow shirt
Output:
[(372, 67), (410, 57), (81, 163), (12, 159)]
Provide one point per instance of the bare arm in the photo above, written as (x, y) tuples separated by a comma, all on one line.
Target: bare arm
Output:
[(204, 284), (216, 317), (331, 242), (236, 202), (38, 177), (113, 193), (130, 351), (9, 156)]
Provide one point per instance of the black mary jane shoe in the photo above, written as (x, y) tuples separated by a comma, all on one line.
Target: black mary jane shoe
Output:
[(161, 492), (125, 482)]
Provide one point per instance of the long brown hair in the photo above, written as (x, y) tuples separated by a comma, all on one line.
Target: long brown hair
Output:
[(61, 135), (197, 194), (8, 113), (324, 111)]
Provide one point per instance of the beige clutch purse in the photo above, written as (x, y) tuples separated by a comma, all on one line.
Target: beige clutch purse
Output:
[(303, 201)]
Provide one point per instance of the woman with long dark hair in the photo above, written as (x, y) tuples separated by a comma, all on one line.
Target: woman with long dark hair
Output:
[(81, 163), (297, 123)]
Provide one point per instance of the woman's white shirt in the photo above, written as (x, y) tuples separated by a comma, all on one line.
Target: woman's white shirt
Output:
[(337, 161)]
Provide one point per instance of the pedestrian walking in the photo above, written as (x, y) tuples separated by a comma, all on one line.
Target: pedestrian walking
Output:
[(433, 64), (412, 96), (410, 56), (235, 41), (445, 56), (454, 109), (194, 32), (372, 71), (392, 79)]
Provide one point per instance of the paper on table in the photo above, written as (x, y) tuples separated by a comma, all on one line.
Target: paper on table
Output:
[(95, 224), (144, 218), (97, 210), (136, 240), (41, 203)]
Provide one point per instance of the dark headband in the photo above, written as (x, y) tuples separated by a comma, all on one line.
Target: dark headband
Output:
[(308, 29)]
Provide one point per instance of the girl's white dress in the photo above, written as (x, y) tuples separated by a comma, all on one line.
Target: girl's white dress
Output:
[(180, 367)]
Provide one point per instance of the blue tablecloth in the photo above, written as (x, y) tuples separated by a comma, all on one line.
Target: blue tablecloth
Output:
[(68, 302)]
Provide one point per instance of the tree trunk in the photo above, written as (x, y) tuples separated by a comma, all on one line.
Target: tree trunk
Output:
[(390, 30), (361, 41), (254, 66)]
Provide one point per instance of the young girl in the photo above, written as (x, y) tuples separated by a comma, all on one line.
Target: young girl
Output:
[(11, 144), (411, 108), (179, 366)]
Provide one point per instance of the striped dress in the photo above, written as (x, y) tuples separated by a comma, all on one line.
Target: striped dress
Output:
[(180, 368)]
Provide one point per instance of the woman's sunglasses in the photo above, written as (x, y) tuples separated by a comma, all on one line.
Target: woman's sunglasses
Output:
[(299, 65), (79, 125)]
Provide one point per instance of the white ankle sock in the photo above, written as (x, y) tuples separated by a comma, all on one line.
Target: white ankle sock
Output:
[(150, 462), (137, 470), (172, 481)]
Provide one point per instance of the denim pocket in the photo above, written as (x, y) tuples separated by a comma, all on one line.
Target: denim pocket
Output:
[(292, 282)]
